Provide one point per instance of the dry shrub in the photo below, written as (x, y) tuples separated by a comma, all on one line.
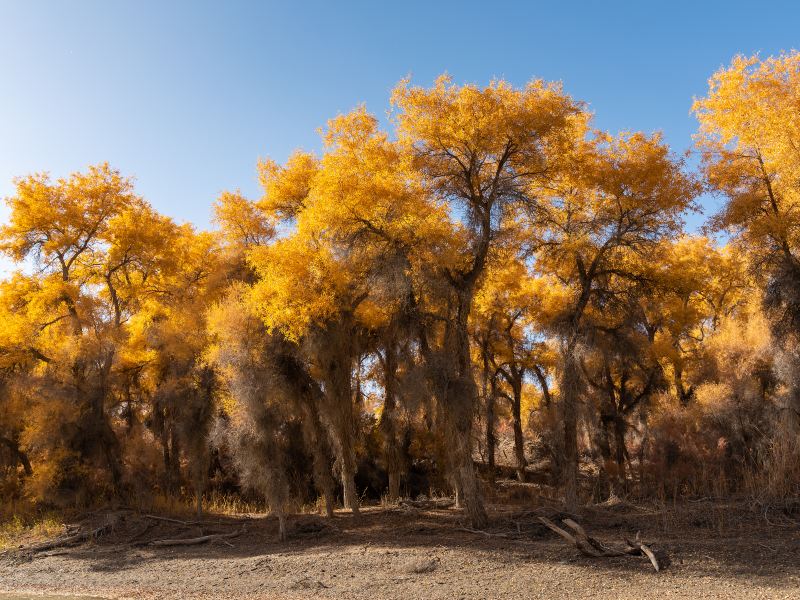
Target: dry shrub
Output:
[(142, 461), (776, 477), (684, 453), (545, 434)]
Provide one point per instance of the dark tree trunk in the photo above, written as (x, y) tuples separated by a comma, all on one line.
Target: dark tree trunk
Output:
[(570, 391), (388, 424), (21, 456), (171, 451), (603, 442), (322, 458), (456, 396), (620, 451), (460, 401), (519, 441), (310, 398), (685, 395), (342, 420), (491, 442), (106, 437), (489, 395)]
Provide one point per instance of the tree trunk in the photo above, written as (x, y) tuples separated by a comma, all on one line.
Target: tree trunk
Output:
[(323, 479), (394, 486), (322, 458), (459, 429), (281, 524), (456, 398), (311, 398), (171, 449), (491, 441), (519, 441), (340, 414), (350, 495), (570, 391), (21, 456), (473, 503), (460, 401), (106, 436), (458, 501), (348, 474), (327, 499), (388, 424), (621, 453), (602, 440)]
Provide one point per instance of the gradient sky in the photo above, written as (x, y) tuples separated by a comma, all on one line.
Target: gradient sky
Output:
[(186, 96)]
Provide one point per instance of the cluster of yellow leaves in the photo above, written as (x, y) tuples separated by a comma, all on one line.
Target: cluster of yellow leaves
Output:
[(356, 204), (749, 137)]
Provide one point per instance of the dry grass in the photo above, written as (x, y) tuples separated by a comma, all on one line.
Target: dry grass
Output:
[(28, 525), (220, 503), (231, 504)]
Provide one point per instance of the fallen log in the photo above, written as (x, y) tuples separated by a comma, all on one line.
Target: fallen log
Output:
[(593, 548), (168, 520), (197, 540), (481, 532), (432, 504), (71, 540)]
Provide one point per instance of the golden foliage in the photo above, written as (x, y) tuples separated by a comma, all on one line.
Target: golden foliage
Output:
[(491, 234)]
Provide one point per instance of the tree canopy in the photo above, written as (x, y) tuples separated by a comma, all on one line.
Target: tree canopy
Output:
[(490, 287)]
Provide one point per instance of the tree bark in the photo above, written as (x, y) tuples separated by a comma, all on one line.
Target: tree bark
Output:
[(350, 495), (388, 424), (340, 413), (310, 398), (459, 430), (604, 445), (322, 460), (621, 452), (489, 394), (570, 391), (491, 442), (519, 441), (460, 400)]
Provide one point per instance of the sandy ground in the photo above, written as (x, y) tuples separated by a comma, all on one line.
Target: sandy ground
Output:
[(423, 553)]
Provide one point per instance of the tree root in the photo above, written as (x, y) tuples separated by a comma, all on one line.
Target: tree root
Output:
[(591, 547)]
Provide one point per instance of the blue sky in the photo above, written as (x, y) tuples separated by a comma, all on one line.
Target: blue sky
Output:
[(186, 96)]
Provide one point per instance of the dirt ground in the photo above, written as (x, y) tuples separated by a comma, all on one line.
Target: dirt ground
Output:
[(423, 552)]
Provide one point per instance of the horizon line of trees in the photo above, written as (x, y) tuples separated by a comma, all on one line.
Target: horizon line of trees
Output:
[(394, 309)]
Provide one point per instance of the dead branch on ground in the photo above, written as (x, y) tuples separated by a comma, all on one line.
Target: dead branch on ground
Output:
[(169, 520), (432, 504), (197, 540), (71, 540), (589, 546)]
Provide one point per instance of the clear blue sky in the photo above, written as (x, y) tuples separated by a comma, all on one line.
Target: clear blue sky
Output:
[(185, 96)]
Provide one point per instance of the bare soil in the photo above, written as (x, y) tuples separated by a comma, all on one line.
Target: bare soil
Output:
[(716, 551)]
